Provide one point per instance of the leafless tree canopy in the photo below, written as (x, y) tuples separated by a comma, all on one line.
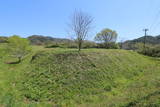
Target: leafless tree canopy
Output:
[(81, 25)]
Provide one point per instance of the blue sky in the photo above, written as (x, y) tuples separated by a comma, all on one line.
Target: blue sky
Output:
[(50, 17)]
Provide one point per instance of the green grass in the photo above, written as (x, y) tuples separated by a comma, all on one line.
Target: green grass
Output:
[(93, 77)]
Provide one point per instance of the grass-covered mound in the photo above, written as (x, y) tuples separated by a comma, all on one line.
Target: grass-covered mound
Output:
[(103, 77)]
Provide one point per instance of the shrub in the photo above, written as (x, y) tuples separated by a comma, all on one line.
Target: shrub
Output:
[(89, 44), (150, 50), (86, 44), (17, 47), (53, 45), (111, 45), (68, 45), (3, 39)]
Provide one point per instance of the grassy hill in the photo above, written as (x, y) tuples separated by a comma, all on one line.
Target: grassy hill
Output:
[(93, 77)]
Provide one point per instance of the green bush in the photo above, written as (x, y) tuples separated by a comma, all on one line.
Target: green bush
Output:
[(18, 47), (68, 45), (85, 45), (61, 45), (89, 44), (3, 39), (149, 50), (53, 45), (110, 45)]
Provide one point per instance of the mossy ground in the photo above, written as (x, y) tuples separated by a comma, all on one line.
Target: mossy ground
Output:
[(93, 77)]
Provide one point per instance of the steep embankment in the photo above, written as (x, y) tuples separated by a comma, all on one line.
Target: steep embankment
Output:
[(90, 78)]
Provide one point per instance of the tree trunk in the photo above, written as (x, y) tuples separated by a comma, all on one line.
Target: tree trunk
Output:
[(79, 45)]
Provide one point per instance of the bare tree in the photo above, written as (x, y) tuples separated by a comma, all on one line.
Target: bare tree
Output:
[(80, 25)]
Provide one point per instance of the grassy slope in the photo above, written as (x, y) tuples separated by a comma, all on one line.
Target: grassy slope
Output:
[(9, 76), (109, 78)]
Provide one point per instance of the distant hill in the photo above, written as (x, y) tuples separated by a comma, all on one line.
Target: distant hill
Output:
[(154, 40), (40, 40)]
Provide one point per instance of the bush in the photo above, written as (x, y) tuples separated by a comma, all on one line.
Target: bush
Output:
[(53, 45), (17, 47), (3, 39), (89, 44), (86, 44), (150, 50), (68, 45), (111, 45), (62, 45)]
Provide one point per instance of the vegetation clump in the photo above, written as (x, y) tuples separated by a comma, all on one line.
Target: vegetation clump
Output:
[(17, 47), (149, 50)]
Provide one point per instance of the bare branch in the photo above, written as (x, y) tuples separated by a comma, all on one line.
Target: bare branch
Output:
[(81, 25)]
